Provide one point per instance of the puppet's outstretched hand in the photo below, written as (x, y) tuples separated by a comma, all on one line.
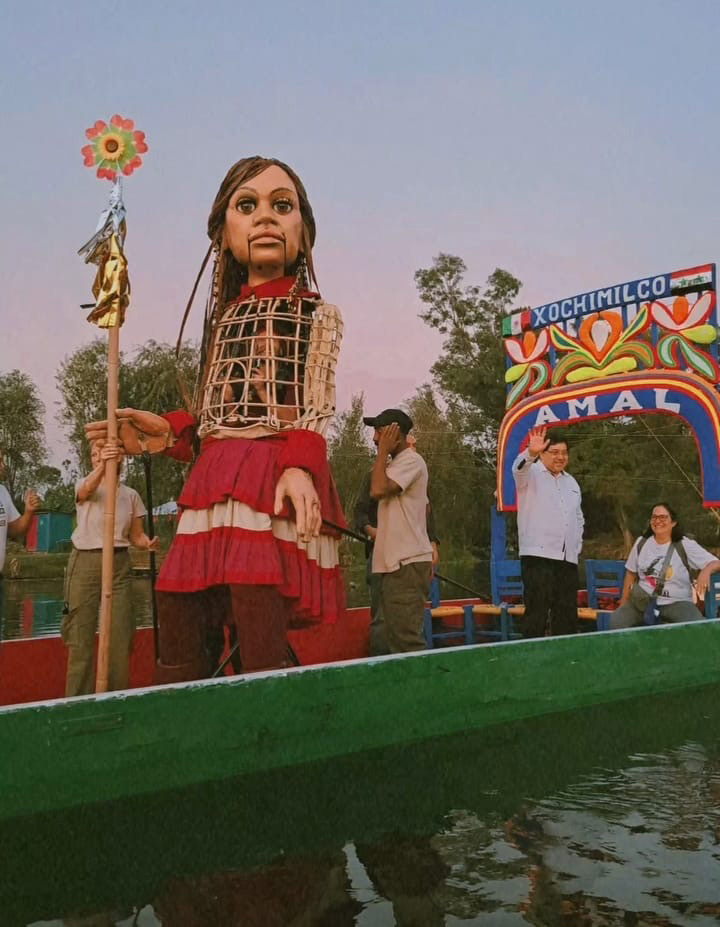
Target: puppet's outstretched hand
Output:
[(138, 431), (297, 486)]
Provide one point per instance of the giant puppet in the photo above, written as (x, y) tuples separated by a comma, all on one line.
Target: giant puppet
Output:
[(641, 347), (250, 546)]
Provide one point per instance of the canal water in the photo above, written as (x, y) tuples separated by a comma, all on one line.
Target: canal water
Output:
[(606, 817)]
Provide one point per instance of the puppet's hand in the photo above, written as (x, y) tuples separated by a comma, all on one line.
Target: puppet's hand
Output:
[(138, 431), (297, 486)]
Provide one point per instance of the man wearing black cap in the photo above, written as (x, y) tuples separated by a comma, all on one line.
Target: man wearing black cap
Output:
[(402, 554)]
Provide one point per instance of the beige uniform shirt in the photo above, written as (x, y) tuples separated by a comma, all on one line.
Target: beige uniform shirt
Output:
[(88, 535), (402, 519)]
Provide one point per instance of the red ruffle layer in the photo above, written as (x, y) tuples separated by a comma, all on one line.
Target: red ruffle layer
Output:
[(247, 471), (228, 556)]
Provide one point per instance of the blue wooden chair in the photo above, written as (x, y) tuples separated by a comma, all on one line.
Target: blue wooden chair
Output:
[(506, 588), (458, 629), (450, 623), (434, 592), (604, 580), (505, 581), (712, 596)]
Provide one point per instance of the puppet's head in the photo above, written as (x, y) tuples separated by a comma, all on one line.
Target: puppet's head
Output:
[(251, 185)]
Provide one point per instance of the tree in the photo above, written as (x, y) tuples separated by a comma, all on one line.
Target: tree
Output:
[(349, 453), (148, 381), (460, 487), (151, 378), (470, 370), (627, 465), (22, 431), (57, 492), (82, 381)]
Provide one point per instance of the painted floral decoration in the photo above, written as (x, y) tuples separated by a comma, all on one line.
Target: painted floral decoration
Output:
[(601, 348), (528, 373), (114, 148), (685, 323)]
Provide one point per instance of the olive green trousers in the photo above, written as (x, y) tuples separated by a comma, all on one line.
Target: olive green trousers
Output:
[(78, 629)]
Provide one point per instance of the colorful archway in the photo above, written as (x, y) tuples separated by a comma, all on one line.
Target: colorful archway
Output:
[(610, 356)]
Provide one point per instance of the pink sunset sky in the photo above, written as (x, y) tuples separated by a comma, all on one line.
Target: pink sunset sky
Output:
[(573, 144)]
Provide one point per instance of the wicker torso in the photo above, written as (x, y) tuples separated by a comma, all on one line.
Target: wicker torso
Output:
[(270, 367)]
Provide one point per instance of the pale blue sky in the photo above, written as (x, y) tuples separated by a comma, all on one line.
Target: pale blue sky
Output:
[(572, 143)]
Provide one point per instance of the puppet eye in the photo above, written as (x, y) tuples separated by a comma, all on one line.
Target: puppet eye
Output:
[(246, 205), (283, 206)]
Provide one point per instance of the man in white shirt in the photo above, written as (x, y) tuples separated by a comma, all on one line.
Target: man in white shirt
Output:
[(550, 531), (12, 523), (402, 554)]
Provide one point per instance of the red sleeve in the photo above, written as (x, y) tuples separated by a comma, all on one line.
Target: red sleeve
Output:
[(307, 450), (182, 425)]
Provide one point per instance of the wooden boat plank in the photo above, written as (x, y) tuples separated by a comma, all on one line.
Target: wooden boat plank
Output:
[(96, 748)]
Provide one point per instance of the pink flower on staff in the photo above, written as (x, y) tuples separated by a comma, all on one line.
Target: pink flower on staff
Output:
[(115, 147)]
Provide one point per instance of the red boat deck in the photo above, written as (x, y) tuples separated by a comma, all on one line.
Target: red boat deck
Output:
[(33, 669)]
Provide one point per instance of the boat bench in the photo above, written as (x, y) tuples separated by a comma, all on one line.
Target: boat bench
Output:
[(459, 624)]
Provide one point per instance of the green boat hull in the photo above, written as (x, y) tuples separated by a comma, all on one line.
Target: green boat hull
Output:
[(60, 754)]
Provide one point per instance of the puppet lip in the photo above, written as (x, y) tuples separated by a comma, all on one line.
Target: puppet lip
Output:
[(267, 235)]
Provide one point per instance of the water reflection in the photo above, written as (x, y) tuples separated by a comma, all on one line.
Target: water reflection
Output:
[(33, 608), (604, 817)]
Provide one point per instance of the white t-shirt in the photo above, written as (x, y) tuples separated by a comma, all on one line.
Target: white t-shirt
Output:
[(678, 585), (402, 518), (8, 513), (88, 535)]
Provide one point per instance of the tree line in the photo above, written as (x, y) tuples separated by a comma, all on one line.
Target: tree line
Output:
[(148, 379), (623, 466)]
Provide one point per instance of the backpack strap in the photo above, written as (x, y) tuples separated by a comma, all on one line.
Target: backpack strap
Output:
[(662, 577), (680, 548)]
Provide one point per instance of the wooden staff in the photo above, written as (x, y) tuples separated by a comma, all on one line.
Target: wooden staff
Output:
[(110, 481), (112, 291), (115, 151)]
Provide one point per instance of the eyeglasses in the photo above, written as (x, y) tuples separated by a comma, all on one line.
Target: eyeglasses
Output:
[(659, 518)]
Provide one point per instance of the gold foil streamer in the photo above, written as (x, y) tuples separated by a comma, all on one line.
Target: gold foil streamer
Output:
[(111, 287)]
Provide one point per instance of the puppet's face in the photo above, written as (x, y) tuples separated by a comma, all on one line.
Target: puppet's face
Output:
[(263, 224)]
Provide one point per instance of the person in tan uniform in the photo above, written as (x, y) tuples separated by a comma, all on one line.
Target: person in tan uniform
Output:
[(402, 553), (83, 576)]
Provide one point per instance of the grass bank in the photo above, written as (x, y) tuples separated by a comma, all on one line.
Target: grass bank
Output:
[(23, 564)]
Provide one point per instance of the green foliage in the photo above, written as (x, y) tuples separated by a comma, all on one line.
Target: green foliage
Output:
[(625, 466), (22, 432), (82, 381), (470, 370), (57, 493), (350, 454), (460, 488), (148, 381), (470, 377)]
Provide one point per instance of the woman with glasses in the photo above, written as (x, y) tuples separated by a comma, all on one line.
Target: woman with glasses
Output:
[(659, 568)]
